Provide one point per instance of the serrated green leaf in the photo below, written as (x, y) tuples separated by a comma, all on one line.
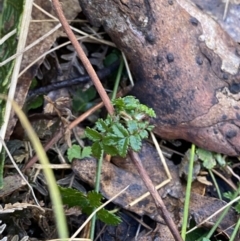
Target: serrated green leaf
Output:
[(135, 142), (146, 110), (119, 130), (237, 207), (82, 99), (150, 127), (209, 164), (122, 146), (88, 203), (93, 134), (196, 234), (102, 126), (118, 103), (229, 195), (97, 149), (108, 218), (207, 157), (143, 124), (132, 126), (72, 197), (86, 152), (110, 140), (130, 102), (143, 134), (88, 210), (74, 152), (111, 150), (94, 199), (35, 103), (220, 159), (112, 57), (204, 155)]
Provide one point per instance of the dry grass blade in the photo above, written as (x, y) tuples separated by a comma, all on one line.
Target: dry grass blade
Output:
[(226, 9), (22, 50), (3, 39), (128, 69), (53, 166), (45, 12), (19, 171)]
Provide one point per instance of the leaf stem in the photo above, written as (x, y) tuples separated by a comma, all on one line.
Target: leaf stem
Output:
[(215, 184), (188, 193), (235, 231), (97, 188), (117, 81)]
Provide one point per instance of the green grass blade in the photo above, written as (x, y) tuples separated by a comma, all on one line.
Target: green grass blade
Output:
[(48, 173), (188, 193)]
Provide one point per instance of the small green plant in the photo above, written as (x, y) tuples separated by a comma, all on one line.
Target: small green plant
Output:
[(36, 101), (88, 203), (210, 159), (82, 100), (126, 129), (75, 151), (232, 195)]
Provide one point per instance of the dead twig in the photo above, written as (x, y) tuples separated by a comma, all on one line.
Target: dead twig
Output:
[(156, 197)]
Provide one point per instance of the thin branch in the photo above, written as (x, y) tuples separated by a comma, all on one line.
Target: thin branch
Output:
[(161, 208)]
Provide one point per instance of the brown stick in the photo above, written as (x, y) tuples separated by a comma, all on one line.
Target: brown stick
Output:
[(162, 210), (83, 57)]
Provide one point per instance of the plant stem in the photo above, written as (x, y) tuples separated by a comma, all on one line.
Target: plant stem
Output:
[(156, 197), (119, 73), (83, 57), (97, 188), (235, 231), (188, 193), (215, 184)]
